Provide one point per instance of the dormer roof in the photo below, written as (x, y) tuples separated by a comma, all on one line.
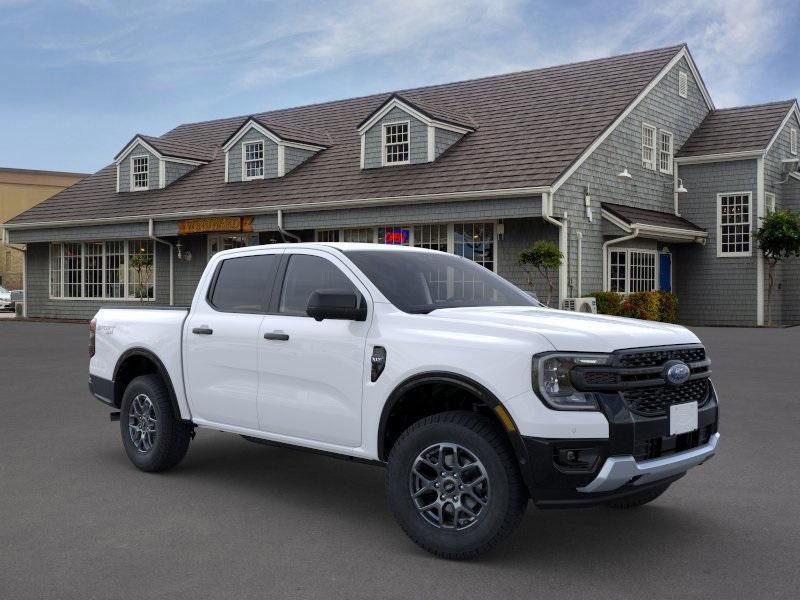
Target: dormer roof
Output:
[(167, 149), (280, 133), (430, 113)]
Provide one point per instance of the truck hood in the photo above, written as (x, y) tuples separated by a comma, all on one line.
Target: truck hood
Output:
[(573, 331)]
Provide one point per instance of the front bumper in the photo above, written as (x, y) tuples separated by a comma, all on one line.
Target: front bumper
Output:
[(639, 453)]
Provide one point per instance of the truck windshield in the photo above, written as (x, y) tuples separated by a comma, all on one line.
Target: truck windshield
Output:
[(419, 282)]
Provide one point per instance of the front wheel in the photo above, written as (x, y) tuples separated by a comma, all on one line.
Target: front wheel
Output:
[(154, 439), (454, 486)]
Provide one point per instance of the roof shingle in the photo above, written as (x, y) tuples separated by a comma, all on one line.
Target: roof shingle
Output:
[(631, 215)]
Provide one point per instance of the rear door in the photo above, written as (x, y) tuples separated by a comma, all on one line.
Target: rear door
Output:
[(312, 372), (221, 345)]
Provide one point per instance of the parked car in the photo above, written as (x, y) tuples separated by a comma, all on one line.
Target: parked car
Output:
[(474, 396), (5, 299)]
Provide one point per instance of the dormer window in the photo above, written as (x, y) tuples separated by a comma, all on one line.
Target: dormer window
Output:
[(396, 148), (140, 168), (253, 160)]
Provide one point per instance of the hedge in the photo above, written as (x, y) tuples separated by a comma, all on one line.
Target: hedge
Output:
[(651, 306)]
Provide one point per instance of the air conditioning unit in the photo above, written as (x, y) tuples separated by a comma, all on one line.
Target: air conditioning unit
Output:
[(584, 305)]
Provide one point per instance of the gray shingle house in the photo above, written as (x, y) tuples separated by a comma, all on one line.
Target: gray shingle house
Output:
[(623, 161)]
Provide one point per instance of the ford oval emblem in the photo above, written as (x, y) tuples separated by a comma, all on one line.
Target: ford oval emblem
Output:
[(677, 373)]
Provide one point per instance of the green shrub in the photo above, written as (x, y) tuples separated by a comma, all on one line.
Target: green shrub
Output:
[(608, 303), (641, 305), (668, 307)]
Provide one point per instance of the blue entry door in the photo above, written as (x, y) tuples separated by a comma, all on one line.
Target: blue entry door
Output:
[(665, 272)]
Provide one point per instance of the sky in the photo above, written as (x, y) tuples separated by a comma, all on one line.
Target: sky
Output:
[(81, 77)]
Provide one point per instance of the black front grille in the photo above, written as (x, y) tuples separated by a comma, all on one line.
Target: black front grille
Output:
[(657, 447), (601, 378), (656, 358), (655, 400)]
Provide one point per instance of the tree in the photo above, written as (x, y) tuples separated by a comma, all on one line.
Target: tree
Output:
[(544, 256), (142, 265), (779, 239)]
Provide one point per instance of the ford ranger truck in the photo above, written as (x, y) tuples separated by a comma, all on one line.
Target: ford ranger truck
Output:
[(474, 396)]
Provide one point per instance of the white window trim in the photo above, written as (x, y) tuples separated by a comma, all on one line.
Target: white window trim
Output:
[(683, 84), (769, 202), (103, 298), (411, 240), (627, 251), (133, 187), (793, 141), (720, 253), (263, 160), (383, 143), (668, 170), (650, 165)]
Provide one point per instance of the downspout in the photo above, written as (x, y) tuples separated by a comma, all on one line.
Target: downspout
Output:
[(547, 210), (283, 232), (618, 240), (152, 236), (675, 197), (580, 261)]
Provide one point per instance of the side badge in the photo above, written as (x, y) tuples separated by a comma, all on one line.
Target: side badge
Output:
[(378, 361)]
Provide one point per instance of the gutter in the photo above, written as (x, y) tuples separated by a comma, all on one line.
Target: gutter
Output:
[(608, 243), (152, 236), (563, 242), (283, 232)]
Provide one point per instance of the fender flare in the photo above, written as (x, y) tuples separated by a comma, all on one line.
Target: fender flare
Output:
[(468, 385), (160, 368)]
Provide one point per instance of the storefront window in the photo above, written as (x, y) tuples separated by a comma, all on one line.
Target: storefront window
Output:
[(218, 243)]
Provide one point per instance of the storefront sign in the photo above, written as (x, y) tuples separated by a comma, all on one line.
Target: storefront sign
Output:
[(210, 224)]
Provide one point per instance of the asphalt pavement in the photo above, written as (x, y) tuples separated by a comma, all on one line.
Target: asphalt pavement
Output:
[(240, 520)]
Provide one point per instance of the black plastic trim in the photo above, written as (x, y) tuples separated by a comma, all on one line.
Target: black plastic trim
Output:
[(162, 371), (102, 389)]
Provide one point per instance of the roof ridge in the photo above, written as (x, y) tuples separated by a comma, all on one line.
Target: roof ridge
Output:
[(773, 103)]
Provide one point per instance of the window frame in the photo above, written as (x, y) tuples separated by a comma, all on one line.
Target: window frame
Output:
[(627, 278), (683, 84), (133, 159), (661, 152), (793, 141), (104, 297), (650, 165), (245, 176), (269, 292), (769, 202), (720, 252), (384, 144)]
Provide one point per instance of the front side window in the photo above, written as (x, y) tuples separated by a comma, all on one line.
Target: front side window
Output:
[(733, 224), (648, 146), (632, 271), (140, 166), (420, 282), (123, 270), (305, 274), (253, 160), (396, 148), (243, 285), (665, 152)]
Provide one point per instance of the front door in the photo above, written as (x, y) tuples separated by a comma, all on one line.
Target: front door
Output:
[(222, 341), (312, 372), (665, 272)]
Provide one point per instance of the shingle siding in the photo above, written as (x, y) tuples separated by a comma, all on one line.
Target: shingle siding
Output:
[(270, 156), (175, 170), (714, 290), (125, 169), (294, 157), (443, 139), (418, 139), (83, 234), (518, 235), (648, 189)]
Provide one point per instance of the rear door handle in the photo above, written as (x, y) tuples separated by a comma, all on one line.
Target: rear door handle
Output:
[(202, 331), (282, 337)]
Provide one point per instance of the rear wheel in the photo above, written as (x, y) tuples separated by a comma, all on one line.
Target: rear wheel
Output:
[(454, 486), (640, 499), (154, 439)]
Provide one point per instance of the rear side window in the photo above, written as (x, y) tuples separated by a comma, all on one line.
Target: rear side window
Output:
[(243, 285), (306, 274)]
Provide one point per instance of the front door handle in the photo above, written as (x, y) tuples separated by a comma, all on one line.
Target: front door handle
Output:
[(202, 331), (282, 337)]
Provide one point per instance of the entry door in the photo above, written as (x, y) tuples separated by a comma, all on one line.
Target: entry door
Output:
[(221, 342), (665, 272), (312, 373)]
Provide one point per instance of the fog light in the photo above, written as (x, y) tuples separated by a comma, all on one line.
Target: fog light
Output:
[(579, 459)]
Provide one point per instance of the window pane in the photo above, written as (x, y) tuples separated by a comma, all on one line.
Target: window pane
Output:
[(55, 270), (399, 236), (328, 235), (433, 237), (254, 159), (115, 269), (397, 143), (73, 255), (306, 274), (93, 270), (734, 221), (364, 235), (243, 284), (140, 271), (475, 241)]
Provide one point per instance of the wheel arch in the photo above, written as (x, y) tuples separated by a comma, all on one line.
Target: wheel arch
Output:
[(140, 361), (457, 382)]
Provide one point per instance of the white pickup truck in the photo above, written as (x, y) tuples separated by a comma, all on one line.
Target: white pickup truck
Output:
[(476, 397)]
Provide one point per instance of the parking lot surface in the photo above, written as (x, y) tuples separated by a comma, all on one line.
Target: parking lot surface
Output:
[(239, 520)]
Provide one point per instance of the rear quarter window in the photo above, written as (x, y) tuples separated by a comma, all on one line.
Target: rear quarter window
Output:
[(243, 285)]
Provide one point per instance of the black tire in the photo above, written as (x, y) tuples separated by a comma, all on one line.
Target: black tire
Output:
[(640, 499), (507, 495), (168, 444)]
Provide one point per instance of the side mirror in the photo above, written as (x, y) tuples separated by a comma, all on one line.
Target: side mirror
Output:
[(336, 304)]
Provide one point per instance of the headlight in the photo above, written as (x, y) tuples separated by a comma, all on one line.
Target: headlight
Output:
[(552, 382)]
